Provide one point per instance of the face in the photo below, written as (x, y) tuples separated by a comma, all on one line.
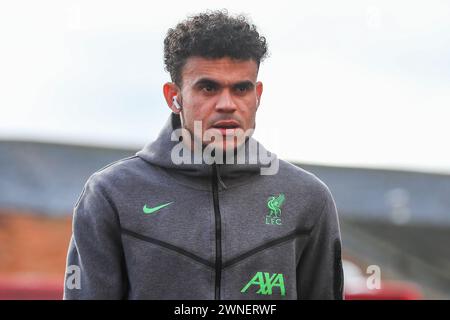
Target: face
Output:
[(221, 93)]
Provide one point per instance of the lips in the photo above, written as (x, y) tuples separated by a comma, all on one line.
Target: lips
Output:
[(226, 127), (226, 124)]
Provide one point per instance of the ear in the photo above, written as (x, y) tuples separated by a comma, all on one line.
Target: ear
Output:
[(259, 91), (171, 90)]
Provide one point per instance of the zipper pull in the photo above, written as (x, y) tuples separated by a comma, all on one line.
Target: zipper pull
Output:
[(218, 176)]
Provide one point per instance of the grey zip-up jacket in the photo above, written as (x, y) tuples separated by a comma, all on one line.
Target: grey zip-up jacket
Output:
[(146, 228)]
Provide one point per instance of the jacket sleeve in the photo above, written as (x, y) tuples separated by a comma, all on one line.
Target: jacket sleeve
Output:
[(95, 268), (319, 271)]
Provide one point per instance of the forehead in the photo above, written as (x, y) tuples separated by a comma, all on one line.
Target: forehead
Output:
[(223, 70)]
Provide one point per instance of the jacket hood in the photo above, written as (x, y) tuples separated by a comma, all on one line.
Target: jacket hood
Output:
[(158, 153)]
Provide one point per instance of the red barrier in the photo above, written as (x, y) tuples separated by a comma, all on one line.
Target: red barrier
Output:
[(389, 290), (31, 288)]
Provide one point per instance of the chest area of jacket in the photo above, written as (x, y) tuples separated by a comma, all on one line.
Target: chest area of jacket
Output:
[(195, 220)]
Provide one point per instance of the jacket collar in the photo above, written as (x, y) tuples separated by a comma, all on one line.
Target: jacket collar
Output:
[(199, 175)]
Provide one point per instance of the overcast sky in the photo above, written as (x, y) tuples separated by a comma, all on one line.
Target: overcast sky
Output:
[(355, 83)]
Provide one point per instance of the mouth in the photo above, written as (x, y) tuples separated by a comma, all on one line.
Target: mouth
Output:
[(226, 126)]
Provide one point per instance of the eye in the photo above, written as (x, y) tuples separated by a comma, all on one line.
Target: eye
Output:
[(242, 88), (208, 88)]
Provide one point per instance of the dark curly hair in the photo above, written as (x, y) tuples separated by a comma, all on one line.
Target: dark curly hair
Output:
[(212, 34)]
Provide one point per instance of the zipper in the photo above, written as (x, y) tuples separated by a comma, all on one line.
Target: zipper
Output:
[(218, 221)]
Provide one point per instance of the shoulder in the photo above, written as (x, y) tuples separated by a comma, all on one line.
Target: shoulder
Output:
[(115, 171), (114, 175), (95, 205), (297, 177), (311, 194)]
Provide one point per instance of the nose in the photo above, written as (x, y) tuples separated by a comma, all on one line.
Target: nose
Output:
[(225, 102)]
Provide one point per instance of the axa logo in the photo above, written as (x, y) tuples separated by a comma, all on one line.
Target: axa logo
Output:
[(274, 204), (266, 283)]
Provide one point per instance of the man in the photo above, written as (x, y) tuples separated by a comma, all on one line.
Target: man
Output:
[(201, 213)]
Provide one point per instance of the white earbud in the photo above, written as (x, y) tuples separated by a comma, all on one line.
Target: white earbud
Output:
[(175, 102)]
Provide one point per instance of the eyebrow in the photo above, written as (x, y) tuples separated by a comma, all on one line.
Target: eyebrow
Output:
[(214, 83)]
